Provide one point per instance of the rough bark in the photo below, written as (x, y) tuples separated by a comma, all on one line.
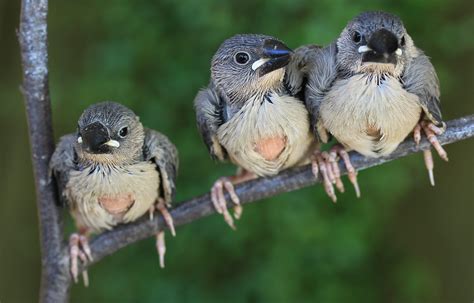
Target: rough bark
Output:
[(32, 35)]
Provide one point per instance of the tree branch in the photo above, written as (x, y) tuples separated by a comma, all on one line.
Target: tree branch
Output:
[(251, 191), (33, 43)]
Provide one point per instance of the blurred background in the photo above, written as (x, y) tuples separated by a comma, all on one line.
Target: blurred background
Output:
[(403, 241)]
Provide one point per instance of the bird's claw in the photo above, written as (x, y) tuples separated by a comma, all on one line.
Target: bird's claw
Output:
[(431, 131), (327, 165), (79, 249), (219, 202), (332, 157), (351, 172), (161, 247), (162, 207), (320, 165)]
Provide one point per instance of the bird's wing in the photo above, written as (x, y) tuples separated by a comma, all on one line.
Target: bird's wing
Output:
[(420, 78), (209, 116), (62, 162), (159, 149), (296, 71), (321, 70)]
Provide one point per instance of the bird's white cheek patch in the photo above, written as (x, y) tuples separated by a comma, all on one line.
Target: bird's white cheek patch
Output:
[(399, 52), (259, 63), (79, 140)]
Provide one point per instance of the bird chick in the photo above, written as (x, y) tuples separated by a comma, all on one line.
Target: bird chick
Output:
[(113, 171), (250, 113), (372, 87)]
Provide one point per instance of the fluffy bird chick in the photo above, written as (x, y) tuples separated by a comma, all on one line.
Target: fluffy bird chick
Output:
[(250, 113), (112, 171), (373, 87)]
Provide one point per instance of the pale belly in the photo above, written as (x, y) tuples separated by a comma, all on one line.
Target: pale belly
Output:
[(368, 117), (267, 137), (103, 198)]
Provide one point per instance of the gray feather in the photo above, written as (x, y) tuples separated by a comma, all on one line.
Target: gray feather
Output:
[(321, 69), (294, 75), (63, 162), (159, 149), (209, 116), (420, 78)]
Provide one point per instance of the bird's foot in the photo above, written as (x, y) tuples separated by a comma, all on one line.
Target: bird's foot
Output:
[(218, 198), (321, 164), (162, 206), (339, 150), (219, 202), (431, 131), (79, 249), (326, 164), (161, 247)]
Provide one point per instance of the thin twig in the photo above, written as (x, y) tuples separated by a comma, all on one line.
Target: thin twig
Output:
[(33, 43), (251, 191)]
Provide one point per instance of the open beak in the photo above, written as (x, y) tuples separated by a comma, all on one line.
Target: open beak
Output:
[(382, 47), (275, 55)]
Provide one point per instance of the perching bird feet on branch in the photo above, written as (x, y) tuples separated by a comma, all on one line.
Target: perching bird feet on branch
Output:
[(160, 236), (326, 163), (227, 184), (431, 132), (79, 249)]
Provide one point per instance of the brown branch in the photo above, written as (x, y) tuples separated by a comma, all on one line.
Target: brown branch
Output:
[(251, 191), (33, 43)]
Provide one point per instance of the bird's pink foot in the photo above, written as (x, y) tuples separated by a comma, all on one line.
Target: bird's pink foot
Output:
[(351, 172), (161, 247), (79, 249), (160, 237), (431, 131), (162, 207), (321, 165), (327, 164), (218, 198)]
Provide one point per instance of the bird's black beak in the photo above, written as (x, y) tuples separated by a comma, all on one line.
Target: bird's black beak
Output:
[(95, 138), (275, 55), (382, 47)]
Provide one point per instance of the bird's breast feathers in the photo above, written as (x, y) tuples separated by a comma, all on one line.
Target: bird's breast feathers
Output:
[(371, 114), (103, 196), (268, 134)]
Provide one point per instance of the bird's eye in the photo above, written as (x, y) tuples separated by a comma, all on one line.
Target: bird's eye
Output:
[(356, 37), (242, 58), (402, 41), (123, 132)]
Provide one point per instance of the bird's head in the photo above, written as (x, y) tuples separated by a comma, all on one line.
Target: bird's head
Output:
[(248, 65), (375, 42), (109, 133)]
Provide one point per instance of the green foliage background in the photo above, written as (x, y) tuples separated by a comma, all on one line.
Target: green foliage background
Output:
[(403, 241)]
